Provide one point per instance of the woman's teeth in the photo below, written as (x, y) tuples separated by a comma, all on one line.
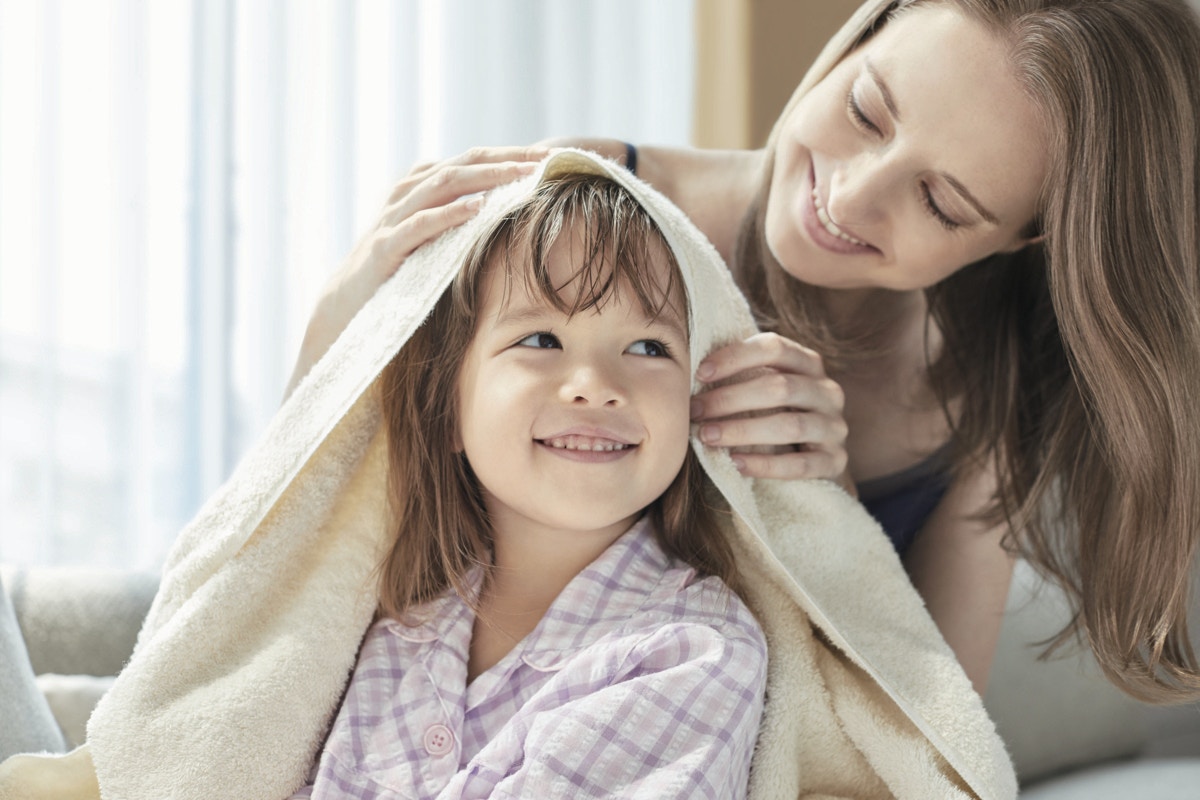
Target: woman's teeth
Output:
[(827, 222), (586, 443)]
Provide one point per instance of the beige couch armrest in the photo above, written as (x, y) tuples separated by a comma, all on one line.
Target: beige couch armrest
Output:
[(79, 621)]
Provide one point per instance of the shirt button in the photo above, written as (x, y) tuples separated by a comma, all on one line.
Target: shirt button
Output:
[(439, 740)]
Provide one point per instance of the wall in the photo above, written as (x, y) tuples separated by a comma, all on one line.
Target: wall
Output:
[(750, 55)]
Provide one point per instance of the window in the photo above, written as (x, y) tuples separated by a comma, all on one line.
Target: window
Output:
[(179, 177)]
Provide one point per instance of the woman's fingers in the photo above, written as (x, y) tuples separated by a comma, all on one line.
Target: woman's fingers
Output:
[(430, 200), (761, 350), (393, 245), (790, 466), (775, 408), (448, 182), (769, 390), (798, 428), (475, 157)]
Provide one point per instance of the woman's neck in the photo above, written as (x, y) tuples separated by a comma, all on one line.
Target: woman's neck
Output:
[(890, 310)]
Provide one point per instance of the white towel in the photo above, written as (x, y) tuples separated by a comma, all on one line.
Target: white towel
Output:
[(252, 637)]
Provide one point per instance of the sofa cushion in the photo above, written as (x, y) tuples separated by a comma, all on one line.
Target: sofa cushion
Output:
[(79, 620), (72, 698), (1144, 779), (1058, 713)]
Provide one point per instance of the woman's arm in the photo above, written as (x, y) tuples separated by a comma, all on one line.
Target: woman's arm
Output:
[(713, 187), (962, 572), (430, 200)]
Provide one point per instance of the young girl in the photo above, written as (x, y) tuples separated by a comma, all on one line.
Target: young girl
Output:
[(555, 617)]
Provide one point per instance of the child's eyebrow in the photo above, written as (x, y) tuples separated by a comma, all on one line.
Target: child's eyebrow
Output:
[(510, 315), (668, 317)]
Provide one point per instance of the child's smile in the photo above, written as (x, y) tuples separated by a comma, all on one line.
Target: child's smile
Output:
[(588, 444)]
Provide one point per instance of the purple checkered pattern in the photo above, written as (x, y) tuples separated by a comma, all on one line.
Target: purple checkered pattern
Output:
[(640, 681)]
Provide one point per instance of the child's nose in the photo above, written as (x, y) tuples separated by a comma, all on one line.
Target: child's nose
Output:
[(592, 384)]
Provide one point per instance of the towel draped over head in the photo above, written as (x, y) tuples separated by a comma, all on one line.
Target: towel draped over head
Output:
[(251, 640)]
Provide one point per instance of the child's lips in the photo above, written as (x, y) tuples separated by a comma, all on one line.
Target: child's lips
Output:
[(589, 444), (593, 444)]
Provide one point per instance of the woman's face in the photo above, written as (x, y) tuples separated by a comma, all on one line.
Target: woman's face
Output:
[(919, 153)]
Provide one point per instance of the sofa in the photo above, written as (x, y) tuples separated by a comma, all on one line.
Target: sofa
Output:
[(1072, 735)]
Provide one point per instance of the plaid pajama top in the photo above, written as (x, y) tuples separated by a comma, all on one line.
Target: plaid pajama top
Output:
[(640, 681)]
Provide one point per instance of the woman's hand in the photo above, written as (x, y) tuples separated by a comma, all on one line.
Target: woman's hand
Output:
[(430, 200), (774, 397)]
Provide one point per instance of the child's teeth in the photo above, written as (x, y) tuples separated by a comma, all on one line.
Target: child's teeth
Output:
[(585, 443)]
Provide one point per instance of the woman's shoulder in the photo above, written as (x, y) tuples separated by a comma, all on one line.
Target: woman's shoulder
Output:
[(712, 187)]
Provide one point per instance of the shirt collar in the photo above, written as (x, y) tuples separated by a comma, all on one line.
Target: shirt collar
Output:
[(601, 598)]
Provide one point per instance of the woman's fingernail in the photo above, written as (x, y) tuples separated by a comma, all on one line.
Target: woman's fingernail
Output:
[(474, 203), (739, 463), (705, 371), (697, 409), (710, 434)]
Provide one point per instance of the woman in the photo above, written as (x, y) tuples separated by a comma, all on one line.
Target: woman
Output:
[(980, 215)]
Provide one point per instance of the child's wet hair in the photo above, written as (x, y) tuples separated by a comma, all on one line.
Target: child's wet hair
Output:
[(616, 240), (438, 515)]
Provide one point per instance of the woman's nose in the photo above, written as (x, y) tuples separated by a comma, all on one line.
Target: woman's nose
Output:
[(857, 190)]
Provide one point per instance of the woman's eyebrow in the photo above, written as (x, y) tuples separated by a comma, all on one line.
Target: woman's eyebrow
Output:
[(889, 100)]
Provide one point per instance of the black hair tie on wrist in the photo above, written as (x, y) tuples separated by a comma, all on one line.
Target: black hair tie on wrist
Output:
[(631, 158)]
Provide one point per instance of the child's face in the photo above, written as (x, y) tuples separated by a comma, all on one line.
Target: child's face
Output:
[(573, 423)]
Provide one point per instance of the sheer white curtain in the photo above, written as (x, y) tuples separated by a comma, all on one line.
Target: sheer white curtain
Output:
[(178, 178)]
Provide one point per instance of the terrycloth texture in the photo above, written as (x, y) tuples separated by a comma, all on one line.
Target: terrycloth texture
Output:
[(252, 637)]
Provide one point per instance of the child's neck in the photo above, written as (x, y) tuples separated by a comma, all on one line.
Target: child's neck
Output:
[(531, 566)]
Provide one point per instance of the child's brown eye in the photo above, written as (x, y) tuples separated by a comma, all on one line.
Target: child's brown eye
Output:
[(541, 340), (650, 347)]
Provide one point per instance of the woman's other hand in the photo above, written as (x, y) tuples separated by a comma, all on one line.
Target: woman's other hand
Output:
[(431, 199), (772, 404)]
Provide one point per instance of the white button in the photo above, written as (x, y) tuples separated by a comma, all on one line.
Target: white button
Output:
[(439, 740)]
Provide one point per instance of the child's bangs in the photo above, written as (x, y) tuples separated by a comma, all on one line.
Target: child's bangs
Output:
[(616, 242)]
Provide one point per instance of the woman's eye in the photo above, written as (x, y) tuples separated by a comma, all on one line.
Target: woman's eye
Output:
[(540, 340), (650, 347), (932, 207), (857, 114)]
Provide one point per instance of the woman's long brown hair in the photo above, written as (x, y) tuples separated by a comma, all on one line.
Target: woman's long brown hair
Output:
[(441, 529), (1074, 364)]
